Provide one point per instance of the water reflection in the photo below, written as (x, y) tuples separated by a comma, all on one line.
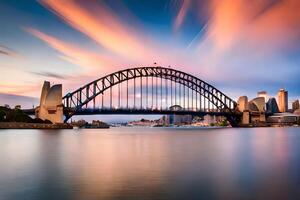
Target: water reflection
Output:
[(128, 163)]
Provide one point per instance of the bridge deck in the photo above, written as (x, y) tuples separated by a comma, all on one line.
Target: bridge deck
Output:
[(146, 112), (88, 111)]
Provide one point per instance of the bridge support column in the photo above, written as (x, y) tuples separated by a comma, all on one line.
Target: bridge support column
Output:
[(246, 118)]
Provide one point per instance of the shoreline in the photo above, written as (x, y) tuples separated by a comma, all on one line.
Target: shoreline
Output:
[(22, 125)]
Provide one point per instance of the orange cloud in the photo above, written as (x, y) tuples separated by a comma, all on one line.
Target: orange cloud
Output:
[(256, 24), (100, 24), (19, 89), (74, 54), (278, 27)]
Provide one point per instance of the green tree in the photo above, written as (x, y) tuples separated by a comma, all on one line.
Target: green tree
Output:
[(223, 123), (2, 116)]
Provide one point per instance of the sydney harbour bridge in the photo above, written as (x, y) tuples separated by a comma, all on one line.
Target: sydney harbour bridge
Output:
[(149, 90)]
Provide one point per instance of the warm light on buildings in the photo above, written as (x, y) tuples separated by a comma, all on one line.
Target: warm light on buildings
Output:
[(263, 94), (295, 105), (283, 100)]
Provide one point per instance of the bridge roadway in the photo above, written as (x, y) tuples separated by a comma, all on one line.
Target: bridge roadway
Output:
[(124, 111), (88, 111)]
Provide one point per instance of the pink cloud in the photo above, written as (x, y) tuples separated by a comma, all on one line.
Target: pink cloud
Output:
[(104, 27), (181, 14)]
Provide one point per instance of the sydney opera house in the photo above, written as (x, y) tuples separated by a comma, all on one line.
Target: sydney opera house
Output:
[(51, 107), (261, 111)]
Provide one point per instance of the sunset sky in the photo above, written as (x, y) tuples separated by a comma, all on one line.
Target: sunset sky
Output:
[(239, 46)]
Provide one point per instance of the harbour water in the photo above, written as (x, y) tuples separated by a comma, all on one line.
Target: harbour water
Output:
[(150, 163)]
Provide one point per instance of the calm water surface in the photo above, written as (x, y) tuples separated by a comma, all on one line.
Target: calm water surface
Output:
[(150, 163)]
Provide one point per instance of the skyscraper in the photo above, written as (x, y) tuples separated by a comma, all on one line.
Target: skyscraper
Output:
[(272, 106), (295, 105), (283, 100)]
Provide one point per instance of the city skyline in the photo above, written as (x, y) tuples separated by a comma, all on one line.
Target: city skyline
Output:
[(239, 48)]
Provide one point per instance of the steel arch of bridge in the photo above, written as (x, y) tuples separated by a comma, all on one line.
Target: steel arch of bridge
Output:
[(74, 101)]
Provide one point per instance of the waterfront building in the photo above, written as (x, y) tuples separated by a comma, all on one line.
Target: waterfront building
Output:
[(178, 119), (284, 119), (297, 112), (283, 100), (208, 119), (263, 94), (272, 106), (257, 110), (142, 122), (252, 111), (295, 105), (257, 104), (98, 124), (80, 123), (211, 120)]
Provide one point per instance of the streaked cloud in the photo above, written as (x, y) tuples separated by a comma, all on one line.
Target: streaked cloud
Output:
[(50, 75), (259, 25), (73, 53), (4, 50), (103, 26), (181, 14), (278, 26), (251, 41), (18, 89)]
